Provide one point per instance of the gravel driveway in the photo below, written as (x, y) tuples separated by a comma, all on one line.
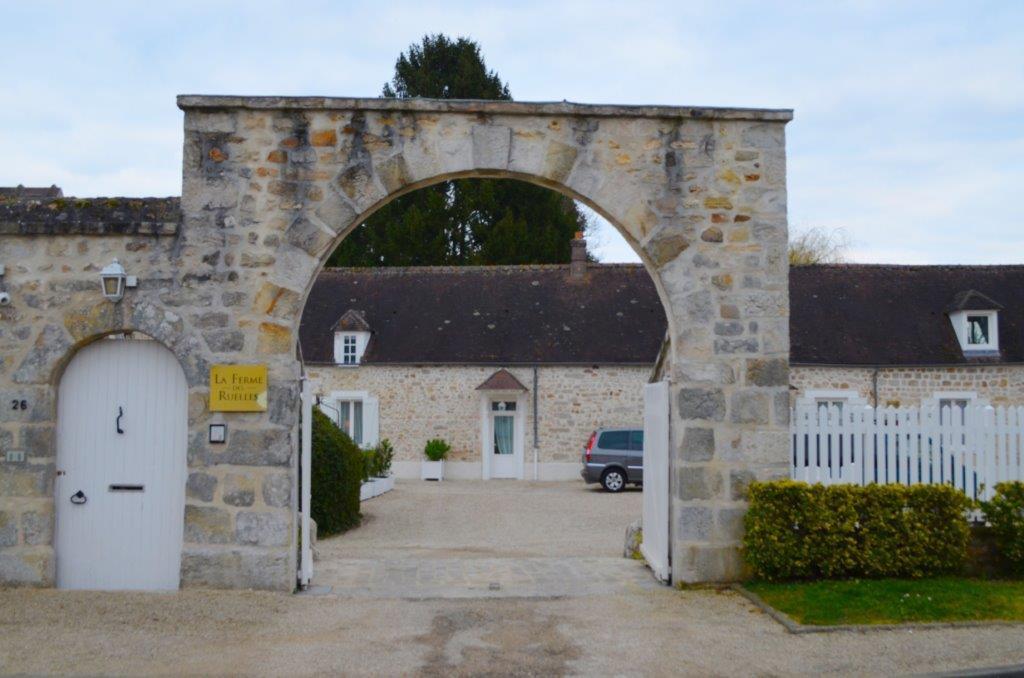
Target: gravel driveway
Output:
[(626, 626)]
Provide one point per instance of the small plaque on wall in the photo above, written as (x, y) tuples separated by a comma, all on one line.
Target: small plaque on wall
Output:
[(238, 388)]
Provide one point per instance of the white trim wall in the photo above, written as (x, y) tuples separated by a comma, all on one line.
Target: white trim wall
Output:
[(420, 402)]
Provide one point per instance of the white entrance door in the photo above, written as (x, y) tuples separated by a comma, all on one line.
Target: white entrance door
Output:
[(506, 448), (655, 546), (122, 425)]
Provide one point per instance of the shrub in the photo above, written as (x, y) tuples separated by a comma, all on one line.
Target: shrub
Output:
[(436, 449), (800, 531), (1005, 513), (336, 476)]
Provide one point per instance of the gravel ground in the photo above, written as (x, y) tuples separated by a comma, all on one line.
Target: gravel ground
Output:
[(661, 632), (490, 519), (640, 631)]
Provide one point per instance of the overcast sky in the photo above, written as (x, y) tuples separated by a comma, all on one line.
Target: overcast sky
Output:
[(909, 128)]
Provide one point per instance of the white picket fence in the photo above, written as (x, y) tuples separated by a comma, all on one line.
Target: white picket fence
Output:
[(971, 448)]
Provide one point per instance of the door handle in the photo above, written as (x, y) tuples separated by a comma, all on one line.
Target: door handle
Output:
[(117, 422), (79, 498)]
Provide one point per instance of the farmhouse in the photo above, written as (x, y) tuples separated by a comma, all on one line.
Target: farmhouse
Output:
[(411, 354), (552, 352)]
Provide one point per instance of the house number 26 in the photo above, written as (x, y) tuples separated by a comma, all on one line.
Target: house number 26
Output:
[(19, 404)]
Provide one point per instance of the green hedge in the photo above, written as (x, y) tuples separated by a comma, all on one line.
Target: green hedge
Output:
[(1005, 513), (337, 472), (800, 531)]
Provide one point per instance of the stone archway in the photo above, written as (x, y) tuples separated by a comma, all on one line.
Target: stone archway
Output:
[(271, 185)]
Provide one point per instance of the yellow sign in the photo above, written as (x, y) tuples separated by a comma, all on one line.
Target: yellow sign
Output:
[(238, 388)]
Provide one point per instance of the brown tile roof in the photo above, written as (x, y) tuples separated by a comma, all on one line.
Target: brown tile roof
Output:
[(496, 315), (351, 321), (502, 380), (845, 314), (861, 314)]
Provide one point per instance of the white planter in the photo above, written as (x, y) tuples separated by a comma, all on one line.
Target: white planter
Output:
[(384, 484), (366, 490), (432, 470)]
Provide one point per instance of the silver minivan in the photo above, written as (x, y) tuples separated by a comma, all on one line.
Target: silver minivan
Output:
[(614, 457)]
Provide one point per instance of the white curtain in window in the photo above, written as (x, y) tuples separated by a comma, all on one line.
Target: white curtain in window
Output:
[(357, 422), (503, 434), (344, 416)]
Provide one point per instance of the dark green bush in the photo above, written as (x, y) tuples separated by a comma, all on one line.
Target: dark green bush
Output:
[(800, 531), (337, 472), (436, 449), (1005, 513)]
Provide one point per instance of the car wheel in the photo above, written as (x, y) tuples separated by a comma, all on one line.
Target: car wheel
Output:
[(613, 480)]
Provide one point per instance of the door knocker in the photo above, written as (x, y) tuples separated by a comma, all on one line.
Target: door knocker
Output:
[(79, 498)]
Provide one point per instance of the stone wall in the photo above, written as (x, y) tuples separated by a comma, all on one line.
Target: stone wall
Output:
[(906, 386), (240, 502), (422, 402), (272, 185)]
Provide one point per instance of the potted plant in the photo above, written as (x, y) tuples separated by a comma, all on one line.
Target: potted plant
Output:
[(435, 452), (385, 453)]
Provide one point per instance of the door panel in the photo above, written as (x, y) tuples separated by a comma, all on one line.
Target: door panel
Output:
[(656, 544), (128, 532), (504, 459)]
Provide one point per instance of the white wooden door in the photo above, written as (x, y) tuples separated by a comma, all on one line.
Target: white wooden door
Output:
[(504, 443), (655, 545), (122, 425)]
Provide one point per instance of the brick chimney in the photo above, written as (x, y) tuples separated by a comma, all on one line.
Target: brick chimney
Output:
[(578, 260)]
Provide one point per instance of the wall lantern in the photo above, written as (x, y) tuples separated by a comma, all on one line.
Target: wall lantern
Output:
[(114, 281)]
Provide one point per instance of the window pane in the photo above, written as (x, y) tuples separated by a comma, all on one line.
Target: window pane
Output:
[(828, 405), (636, 440), (614, 440), (344, 417), (503, 434), (357, 422), (956, 409), (503, 406), (977, 329)]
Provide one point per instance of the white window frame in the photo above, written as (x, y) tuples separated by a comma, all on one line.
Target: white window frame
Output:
[(970, 396), (961, 326), (370, 414), (359, 341), (849, 396), (487, 431), (349, 349)]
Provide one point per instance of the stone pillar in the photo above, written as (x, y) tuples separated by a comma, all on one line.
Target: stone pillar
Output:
[(730, 350)]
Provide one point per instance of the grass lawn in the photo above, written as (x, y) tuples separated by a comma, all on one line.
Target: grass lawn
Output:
[(892, 601)]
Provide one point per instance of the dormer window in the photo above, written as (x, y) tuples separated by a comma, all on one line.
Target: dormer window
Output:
[(977, 330), (348, 349), (975, 319), (351, 337)]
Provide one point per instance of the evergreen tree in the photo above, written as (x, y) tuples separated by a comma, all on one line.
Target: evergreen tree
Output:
[(466, 221)]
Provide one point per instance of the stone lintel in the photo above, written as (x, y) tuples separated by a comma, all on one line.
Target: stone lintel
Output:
[(188, 102), (90, 216)]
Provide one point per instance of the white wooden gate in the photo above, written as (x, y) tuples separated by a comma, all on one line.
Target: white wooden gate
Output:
[(655, 544), (305, 573), (122, 427), (971, 448)]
